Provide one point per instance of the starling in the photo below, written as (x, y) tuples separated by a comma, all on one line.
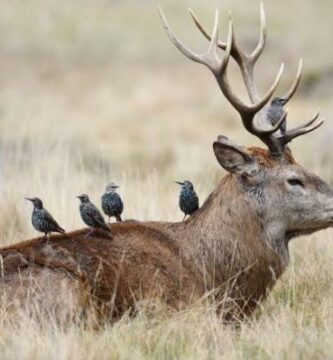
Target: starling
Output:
[(91, 215), (275, 112), (188, 198), (112, 204), (42, 220)]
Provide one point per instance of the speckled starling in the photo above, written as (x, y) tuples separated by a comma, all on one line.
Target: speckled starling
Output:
[(42, 220), (275, 112), (112, 204), (91, 215), (188, 198)]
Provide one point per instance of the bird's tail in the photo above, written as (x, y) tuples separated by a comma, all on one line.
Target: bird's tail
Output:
[(118, 217), (61, 230), (105, 227)]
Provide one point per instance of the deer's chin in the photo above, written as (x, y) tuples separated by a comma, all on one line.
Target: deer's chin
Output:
[(296, 233)]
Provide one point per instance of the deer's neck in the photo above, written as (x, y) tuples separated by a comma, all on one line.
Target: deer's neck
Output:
[(226, 237)]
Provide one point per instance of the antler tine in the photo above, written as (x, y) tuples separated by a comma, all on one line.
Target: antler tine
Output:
[(263, 35), (310, 122), (313, 124), (295, 84), (222, 79), (205, 33), (270, 92), (182, 48), (222, 71), (303, 131), (212, 50), (210, 58)]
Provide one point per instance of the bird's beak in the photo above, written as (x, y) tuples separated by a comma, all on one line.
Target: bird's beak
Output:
[(116, 186), (79, 196), (179, 182), (284, 101), (29, 199)]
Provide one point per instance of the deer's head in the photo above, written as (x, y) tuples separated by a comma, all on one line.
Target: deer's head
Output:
[(290, 200)]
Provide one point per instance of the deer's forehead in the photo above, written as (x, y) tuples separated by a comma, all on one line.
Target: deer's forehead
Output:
[(287, 170), (267, 160), (282, 168), (284, 171), (290, 168)]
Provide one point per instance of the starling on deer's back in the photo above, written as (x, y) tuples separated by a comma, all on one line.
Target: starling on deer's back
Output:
[(112, 204), (91, 215), (275, 112), (42, 220), (188, 198)]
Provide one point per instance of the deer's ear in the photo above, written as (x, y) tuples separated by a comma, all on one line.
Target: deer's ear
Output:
[(234, 158)]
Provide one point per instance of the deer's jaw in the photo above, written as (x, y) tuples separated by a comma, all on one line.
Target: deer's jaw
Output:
[(294, 233), (315, 215)]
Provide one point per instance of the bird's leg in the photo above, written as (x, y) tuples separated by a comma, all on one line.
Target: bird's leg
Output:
[(90, 232), (46, 237), (109, 221), (184, 217)]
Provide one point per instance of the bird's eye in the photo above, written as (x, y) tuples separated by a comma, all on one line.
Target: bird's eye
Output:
[(295, 182)]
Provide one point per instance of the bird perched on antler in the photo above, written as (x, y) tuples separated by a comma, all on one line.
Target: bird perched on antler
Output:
[(188, 198), (276, 112), (91, 215), (42, 220), (112, 204)]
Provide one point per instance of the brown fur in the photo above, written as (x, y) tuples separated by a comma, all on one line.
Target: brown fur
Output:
[(138, 263), (265, 158)]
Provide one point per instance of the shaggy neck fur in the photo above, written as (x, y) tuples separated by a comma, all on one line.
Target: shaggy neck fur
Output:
[(227, 242)]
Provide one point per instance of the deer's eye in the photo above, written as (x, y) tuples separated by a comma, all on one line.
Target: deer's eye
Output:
[(295, 182)]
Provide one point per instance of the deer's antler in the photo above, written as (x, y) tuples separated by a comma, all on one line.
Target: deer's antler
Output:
[(246, 62)]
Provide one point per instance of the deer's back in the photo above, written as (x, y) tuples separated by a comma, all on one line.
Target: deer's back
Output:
[(139, 262)]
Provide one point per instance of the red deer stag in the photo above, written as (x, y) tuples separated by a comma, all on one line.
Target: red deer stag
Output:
[(235, 246)]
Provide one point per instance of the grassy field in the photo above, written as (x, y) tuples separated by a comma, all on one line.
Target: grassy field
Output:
[(92, 92)]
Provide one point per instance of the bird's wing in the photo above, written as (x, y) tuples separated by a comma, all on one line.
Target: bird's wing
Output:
[(197, 199), (104, 203), (93, 212), (270, 114), (49, 218), (120, 201)]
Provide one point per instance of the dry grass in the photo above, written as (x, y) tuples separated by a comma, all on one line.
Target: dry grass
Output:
[(92, 91)]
